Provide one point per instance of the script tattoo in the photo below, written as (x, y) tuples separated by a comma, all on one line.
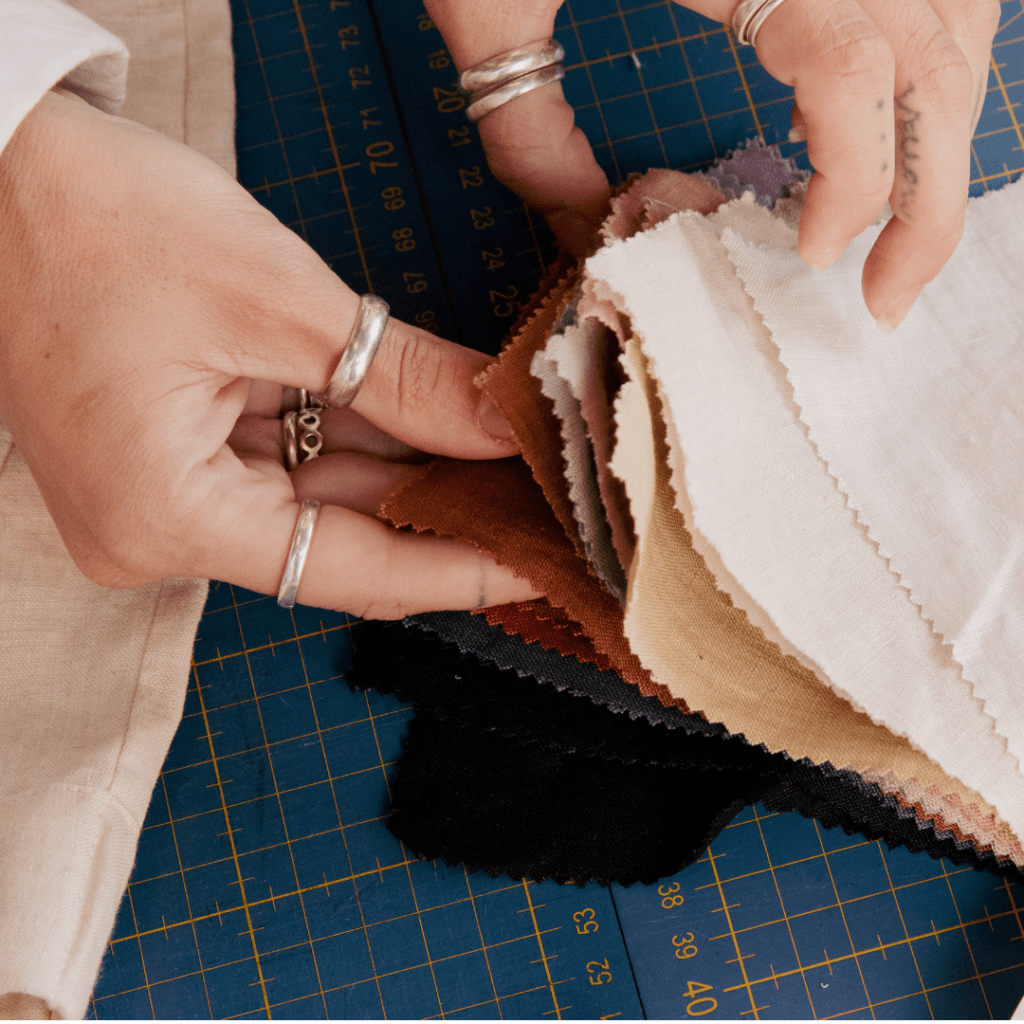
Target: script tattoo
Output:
[(907, 142)]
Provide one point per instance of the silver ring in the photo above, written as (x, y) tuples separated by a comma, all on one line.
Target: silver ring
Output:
[(750, 16), (500, 70), (308, 437), (483, 105), (301, 539), (289, 435), (355, 361)]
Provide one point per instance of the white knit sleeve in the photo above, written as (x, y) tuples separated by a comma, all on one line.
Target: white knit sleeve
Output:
[(45, 42)]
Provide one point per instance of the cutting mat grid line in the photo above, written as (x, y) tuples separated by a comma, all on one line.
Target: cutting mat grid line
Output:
[(267, 883)]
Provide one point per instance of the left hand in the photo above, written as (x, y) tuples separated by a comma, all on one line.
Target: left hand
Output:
[(888, 95)]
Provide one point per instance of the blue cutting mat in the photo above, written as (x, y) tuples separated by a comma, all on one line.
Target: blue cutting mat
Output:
[(267, 884)]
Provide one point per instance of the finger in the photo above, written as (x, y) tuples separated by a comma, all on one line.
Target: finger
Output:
[(842, 70), (357, 482), (420, 389), (264, 399), (531, 142), (972, 25), (346, 430), (935, 90), (355, 564)]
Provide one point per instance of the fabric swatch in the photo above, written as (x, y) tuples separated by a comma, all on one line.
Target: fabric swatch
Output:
[(766, 503), (541, 623), (473, 634), (925, 435), (687, 633), (506, 774), (589, 512), (712, 658), (499, 507), (755, 167)]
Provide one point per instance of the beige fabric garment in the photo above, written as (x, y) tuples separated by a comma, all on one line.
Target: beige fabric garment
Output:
[(92, 681), (731, 671)]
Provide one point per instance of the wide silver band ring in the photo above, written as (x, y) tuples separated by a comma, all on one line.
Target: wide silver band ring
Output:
[(527, 83), (750, 16), (302, 537), (500, 70), (365, 339)]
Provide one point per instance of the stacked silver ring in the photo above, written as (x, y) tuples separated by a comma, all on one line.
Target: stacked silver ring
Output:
[(750, 16), (301, 431), (300, 427), (513, 73)]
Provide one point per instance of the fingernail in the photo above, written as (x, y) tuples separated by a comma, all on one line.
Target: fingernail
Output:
[(892, 316), (493, 421), (824, 259), (798, 133)]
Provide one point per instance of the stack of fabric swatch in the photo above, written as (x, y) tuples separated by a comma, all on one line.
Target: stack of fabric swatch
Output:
[(782, 553)]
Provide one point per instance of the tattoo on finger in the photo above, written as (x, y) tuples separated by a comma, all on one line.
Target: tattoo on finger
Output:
[(907, 142)]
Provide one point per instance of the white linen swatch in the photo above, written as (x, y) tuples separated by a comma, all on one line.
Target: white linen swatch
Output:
[(924, 429)]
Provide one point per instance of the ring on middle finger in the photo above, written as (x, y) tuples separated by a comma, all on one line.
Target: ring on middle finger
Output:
[(300, 431)]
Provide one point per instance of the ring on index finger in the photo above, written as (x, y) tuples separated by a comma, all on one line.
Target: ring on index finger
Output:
[(750, 16)]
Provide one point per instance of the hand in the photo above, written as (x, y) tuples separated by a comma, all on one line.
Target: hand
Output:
[(887, 95), (144, 293)]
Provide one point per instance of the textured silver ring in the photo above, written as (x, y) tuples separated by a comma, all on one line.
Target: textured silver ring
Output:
[(750, 16), (363, 342), (302, 537), (500, 70), (482, 106)]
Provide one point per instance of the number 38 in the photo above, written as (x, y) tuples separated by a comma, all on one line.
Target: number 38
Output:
[(670, 900)]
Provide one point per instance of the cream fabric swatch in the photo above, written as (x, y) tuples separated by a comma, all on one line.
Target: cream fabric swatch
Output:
[(924, 430), (766, 503), (92, 681), (571, 371), (687, 635)]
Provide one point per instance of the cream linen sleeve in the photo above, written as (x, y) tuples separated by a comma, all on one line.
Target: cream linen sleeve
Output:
[(43, 42), (92, 681)]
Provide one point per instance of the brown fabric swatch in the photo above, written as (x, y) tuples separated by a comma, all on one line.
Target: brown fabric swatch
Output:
[(500, 507), (540, 623), (530, 412)]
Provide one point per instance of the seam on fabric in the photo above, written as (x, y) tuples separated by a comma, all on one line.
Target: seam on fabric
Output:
[(70, 787), (157, 601)]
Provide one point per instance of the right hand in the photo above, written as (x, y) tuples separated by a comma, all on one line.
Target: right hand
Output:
[(144, 295)]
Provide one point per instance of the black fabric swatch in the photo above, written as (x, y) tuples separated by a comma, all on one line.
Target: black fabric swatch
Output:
[(532, 776)]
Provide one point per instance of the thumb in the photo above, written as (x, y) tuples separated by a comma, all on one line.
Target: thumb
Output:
[(419, 389)]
